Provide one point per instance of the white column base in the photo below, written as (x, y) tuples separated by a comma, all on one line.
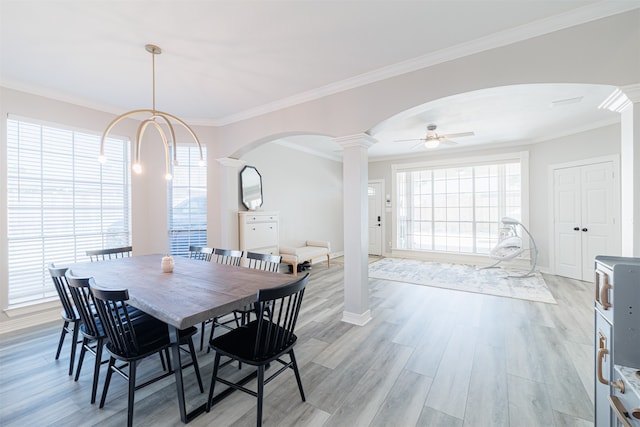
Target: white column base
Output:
[(356, 319)]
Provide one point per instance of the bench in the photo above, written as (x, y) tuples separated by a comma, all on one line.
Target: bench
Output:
[(311, 250)]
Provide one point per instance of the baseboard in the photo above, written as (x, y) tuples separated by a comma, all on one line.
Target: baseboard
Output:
[(356, 319), (36, 319)]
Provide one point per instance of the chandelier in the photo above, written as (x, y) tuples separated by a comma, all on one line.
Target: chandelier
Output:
[(156, 120)]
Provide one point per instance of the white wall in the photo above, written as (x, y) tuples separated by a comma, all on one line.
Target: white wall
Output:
[(148, 191), (584, 145), (305, 189)]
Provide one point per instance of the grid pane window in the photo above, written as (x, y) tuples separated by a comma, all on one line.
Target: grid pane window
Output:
[(61, 202), (462, 206), (187, 202)]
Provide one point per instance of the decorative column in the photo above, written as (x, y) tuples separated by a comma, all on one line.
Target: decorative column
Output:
[(355, 175), (626, 101), (222, 216)]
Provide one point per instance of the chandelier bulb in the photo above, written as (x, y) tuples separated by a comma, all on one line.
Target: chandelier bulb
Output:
[(201, 163), (168, 176), (137, 168), (102, 158)]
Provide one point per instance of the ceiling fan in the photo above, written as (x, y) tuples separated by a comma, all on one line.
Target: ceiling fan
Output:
[(432, 139)]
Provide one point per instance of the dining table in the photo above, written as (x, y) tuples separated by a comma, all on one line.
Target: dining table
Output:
[(195, 291)]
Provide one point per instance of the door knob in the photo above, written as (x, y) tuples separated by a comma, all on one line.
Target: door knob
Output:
[(379, 218), (576, 228), (584, 229)]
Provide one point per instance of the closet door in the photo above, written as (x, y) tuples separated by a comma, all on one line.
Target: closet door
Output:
[(585, 218)]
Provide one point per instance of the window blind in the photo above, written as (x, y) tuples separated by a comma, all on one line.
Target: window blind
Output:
[(61, 202), (187, 197)]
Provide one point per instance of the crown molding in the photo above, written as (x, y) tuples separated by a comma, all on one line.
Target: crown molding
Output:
[(562, 21), (585, 14)]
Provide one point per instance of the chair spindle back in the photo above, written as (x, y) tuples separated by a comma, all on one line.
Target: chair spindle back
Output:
[(83, 298), (200, 253), (112, 309), (227, 256), (266, 262), (112, 253), (277, 311)]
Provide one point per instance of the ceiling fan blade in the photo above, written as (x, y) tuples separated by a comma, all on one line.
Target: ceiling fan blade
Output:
[(409, 140), (447, 141), (455, 135)]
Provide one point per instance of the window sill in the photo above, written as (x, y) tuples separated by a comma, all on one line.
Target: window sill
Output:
[(24, 309)]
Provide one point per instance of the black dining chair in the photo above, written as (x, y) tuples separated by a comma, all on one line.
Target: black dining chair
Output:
[(69, 315), (111, 253), (258, 261), (203, 254), (264, 340), (91, 329), (266, 262), (200, 253), (133, 338), (227, 256), (93, 334)]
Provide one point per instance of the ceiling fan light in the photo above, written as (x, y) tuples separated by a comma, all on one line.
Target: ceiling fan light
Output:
[(431, 143)]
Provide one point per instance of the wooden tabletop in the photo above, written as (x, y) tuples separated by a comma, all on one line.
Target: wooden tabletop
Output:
[(194, 292)]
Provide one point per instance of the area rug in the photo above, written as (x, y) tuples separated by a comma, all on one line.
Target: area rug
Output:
[(460, 277)]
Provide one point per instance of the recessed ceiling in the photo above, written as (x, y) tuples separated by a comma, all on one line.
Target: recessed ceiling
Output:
[(227, 60)]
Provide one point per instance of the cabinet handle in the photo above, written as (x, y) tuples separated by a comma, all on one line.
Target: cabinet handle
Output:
[(619, 384), (601, 354), (604, 294), (576, 228), (620, 410), (598, 286)]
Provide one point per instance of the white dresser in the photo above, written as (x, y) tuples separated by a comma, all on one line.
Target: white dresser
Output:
[(259, 231)]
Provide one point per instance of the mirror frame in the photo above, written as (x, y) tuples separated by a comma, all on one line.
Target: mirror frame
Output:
[(243, 178)]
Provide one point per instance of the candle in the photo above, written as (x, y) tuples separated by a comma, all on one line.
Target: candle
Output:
[(167, 264)]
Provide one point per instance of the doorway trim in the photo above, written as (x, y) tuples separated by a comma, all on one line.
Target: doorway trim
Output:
[(615, 159)]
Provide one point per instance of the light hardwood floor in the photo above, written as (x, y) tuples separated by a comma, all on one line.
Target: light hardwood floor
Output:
[(429, 357)]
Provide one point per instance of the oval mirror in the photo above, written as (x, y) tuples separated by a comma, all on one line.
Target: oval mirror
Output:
[(251, 186)]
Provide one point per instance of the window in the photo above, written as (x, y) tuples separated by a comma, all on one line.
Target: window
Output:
[(61, 202), (456, 209), (187, 202)]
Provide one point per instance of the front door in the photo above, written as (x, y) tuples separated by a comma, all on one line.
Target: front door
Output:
[(374, 191)]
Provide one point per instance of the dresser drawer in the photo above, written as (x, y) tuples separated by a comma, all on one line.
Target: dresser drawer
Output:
[(250, 219), (271, 251), (261, 234)]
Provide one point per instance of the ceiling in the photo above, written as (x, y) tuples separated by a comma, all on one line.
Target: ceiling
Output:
[(225, 61)]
